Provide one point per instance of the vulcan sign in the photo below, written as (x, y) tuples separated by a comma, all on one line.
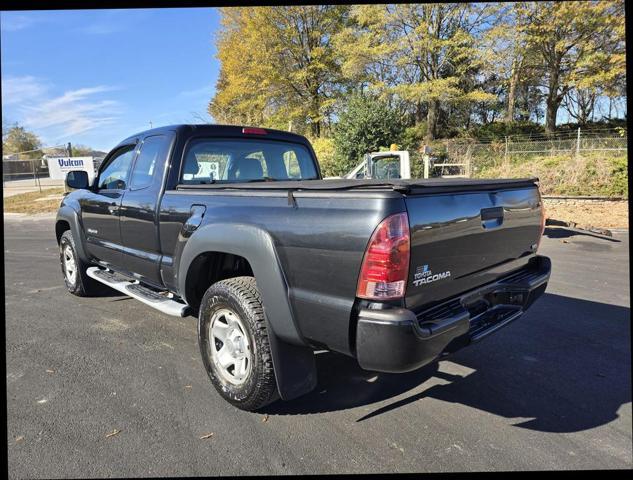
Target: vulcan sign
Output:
[(58, 167)]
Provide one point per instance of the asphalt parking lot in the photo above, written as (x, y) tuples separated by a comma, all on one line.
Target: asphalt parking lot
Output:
[(550, 391)]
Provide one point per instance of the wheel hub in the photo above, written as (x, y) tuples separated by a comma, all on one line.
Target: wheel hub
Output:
[(230, 349), (69, 264)]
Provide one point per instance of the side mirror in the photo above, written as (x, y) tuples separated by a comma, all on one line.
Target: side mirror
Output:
[(77, 180)]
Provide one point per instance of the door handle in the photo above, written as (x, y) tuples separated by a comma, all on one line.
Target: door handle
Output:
[(195, 219), (491, 217), (113, 209)]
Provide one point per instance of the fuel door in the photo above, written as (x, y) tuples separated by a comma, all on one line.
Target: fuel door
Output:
[(194, 220)]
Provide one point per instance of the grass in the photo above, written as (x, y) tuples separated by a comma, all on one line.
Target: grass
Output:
[(590, 174), (28, 202)]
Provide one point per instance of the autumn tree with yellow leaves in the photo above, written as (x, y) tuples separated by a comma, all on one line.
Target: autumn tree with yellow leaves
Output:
[(442, 66), (278, 66)]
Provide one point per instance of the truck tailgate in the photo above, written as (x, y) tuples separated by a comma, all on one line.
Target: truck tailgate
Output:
[(462, 240)]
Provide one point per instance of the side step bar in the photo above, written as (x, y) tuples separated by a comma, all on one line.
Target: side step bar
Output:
[(134, 289)]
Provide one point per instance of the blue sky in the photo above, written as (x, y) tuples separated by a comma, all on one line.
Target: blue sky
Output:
[(93, 77)]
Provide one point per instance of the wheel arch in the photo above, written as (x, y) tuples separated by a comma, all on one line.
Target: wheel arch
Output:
[(293, 358), (210, 267), (67, 219)]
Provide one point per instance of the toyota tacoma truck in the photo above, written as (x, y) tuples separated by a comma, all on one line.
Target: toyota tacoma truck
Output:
[(236, 226)]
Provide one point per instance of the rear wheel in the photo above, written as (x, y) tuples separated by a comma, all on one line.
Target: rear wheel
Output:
[(234, 343), (74, 269)]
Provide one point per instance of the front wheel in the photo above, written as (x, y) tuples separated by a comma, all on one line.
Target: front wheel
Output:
[(74, 269), (234, 343)]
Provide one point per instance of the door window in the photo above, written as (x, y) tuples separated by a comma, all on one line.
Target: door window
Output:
[(114, 176), (148, 162)]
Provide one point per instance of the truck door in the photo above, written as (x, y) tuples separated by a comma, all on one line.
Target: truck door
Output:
[(100, 209), (139, 209)]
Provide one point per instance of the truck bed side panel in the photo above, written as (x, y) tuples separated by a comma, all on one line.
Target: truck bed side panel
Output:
[(320, 243)]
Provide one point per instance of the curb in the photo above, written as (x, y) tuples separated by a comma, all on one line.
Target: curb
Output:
[(583, 197), (26, 216)]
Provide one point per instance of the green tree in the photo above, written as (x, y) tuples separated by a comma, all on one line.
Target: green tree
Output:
[(578, 45), (418, 53), (366, 125), (81, 151), (17, 139), (278, 66)]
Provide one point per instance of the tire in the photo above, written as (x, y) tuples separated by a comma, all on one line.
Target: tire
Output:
[(232, 309), (80, 283)]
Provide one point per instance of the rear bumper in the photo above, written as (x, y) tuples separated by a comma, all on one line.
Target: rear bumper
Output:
[(399, 340)]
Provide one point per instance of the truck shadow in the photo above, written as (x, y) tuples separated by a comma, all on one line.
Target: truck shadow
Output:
[(561, 233), (565, 366)]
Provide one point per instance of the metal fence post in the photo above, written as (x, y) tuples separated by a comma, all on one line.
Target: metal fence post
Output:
[(578, 144), (506, 154)]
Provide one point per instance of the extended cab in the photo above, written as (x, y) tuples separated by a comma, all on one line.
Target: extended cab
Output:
[(235, 225)]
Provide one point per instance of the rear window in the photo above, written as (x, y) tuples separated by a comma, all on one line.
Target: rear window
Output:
[(245, 160)]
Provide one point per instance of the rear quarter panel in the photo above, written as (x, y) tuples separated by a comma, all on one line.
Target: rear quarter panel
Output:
[(320, 243)]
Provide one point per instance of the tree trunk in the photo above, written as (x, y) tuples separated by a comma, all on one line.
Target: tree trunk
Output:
[(550, 115), (431, 120), (419, 112), (553, 98), (315, 129), (514, 79)]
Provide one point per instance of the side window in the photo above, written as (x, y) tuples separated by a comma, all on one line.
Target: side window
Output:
[(114, 176), (292, 165), (149, 161)]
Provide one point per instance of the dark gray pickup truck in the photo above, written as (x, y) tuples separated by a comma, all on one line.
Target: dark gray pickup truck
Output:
[(235, 225)]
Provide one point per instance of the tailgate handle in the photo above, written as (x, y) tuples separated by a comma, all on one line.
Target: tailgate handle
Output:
[(491, 217)]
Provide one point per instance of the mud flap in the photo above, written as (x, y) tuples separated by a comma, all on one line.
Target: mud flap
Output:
[(295, 368)]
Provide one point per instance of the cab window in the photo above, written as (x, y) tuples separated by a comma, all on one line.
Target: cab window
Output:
[(211, 160), (115, 174)]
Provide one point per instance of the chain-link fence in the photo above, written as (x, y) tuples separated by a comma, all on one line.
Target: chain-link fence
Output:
[(466, 158), (28, 171)]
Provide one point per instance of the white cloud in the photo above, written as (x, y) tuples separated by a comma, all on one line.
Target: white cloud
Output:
[(59, 117), (12, 22), (17, 90)]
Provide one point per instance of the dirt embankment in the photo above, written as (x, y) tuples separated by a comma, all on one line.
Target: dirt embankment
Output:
[(585, 213)]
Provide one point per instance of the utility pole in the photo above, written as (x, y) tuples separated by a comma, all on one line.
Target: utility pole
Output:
[(578, 144), (69, 150), (150, 124)]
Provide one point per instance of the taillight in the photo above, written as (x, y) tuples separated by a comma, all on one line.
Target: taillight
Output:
[(254, 131), (538, 243), (385, 268)]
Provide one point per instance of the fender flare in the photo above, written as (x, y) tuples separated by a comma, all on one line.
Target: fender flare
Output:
[(293, 359), (69, 215)]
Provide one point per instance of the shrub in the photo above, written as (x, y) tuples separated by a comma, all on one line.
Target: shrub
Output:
[(366, 124), (326, 155)]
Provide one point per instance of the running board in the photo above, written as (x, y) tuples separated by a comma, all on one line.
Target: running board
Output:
[(132, 288)]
